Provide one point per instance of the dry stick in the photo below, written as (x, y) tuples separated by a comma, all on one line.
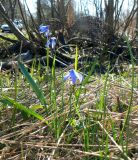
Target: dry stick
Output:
[(40, 144), (112, 139), (59, 140), (12, 134), (29, 129), (94, 154), (7, 130), (99, 111), (123, 87), (51, 117), (52, 145)]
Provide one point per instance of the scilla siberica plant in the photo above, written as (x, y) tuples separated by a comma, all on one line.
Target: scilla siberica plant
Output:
[(51, 42), (73, 76), (45, 30)]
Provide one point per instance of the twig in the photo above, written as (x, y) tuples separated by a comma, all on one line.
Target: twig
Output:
[(59, 140), (112, 139)]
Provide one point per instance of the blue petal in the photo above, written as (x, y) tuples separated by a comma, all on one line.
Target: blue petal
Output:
[(47, 33), (78, 75), (48, 43), (43, 29), (66, 76), (73, 76), (53, 38), (53, 42)]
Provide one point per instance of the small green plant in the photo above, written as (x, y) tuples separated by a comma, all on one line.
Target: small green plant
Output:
[(29, 112), (34, 86)]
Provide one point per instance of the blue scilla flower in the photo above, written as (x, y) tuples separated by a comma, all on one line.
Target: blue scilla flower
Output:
[(74, 76), (44, 29), (51, 43)]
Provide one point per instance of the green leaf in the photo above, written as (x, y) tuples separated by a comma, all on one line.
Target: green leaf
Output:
[(76, 58), (32, 83), (36, 107), (8, 101)]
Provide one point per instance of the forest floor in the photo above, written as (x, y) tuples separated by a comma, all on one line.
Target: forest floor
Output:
[(44, 117)]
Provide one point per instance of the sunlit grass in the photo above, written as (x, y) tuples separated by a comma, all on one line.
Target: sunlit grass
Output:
[(9, 35), (42, 114)]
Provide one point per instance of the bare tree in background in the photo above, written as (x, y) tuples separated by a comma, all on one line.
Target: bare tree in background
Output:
[(70, 13), (61, 10), (64, 11), (11, 8), (15, 30), (39, 14), (137, 21), (52, 8), (109, 17), (98, 7), (12, 5)]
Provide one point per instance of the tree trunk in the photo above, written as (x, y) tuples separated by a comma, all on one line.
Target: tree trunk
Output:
[(62, 13), (109, 19), (70, 14), (39, 16), (12, 5), (137, 21), (52, 8)]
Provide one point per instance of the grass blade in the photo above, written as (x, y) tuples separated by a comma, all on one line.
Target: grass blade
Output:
[(11, 102), (32, 83), (76, 58)]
